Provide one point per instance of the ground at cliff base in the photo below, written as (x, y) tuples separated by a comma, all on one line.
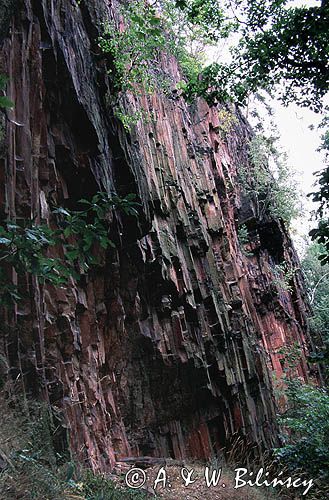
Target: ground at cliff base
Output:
[(28, 470), (199, 489), (176, 490)]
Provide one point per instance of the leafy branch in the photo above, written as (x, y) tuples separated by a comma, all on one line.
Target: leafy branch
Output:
[(27, 247), (5, 102), (135, 42)]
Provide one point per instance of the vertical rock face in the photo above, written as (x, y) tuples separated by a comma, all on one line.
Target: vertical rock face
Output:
[(167, 350)]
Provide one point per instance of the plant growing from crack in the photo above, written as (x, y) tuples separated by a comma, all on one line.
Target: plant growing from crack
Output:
[(283, 275), (5, 102), (268, 180), (135, 43), (243, 239), (227, 120)]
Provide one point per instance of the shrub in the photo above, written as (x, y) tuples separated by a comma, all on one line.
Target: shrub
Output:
[(99, 487), (306, 432), (227, 120), (135, 43), (133, 48), (283, 275), (269, 181), (31, 469), (4, 101), (304, 427), (243, 239)]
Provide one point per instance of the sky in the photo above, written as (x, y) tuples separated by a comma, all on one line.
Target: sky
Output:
[(299, 141), (300, 144)]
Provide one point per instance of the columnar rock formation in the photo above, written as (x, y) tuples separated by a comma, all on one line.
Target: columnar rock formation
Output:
[(167, 350)]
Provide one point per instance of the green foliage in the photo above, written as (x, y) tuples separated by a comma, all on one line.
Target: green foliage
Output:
[(306, 437), (208, 16), (99, 487), (291, 358), (134, 48), (227, 120), (320, 234), (210, 84), (243, 235), (129, 120), (146, 31), (269, 180), (305, 426), (26, 247), (191, 29), (26, 441), (317, 283), (22, 248), (4, 101), (322, 196), (243, 239), (293, 50), (31, 469), (279, 46), (283, 275)]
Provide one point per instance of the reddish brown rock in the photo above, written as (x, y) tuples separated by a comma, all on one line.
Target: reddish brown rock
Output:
[(166, 351)]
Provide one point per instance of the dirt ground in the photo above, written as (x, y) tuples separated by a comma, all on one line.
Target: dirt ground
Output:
[(224, 490)]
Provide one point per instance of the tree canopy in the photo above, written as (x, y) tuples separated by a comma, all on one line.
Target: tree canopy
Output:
[(280, 47)]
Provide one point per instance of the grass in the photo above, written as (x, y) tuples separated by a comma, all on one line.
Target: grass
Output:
[(30, 468)]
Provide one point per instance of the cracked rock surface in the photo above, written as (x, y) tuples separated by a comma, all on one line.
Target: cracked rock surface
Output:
[(167, 350)]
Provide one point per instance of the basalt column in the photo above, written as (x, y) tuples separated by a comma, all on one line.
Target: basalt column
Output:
[(167, 349)]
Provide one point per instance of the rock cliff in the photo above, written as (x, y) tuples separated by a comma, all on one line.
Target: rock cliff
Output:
[(167, 350)]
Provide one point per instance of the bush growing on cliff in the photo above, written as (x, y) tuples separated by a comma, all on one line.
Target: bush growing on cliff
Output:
[(269, 181), (4, 101), (134, 47), (149, 32), (243, 240), (227, 120), (283, 275)]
